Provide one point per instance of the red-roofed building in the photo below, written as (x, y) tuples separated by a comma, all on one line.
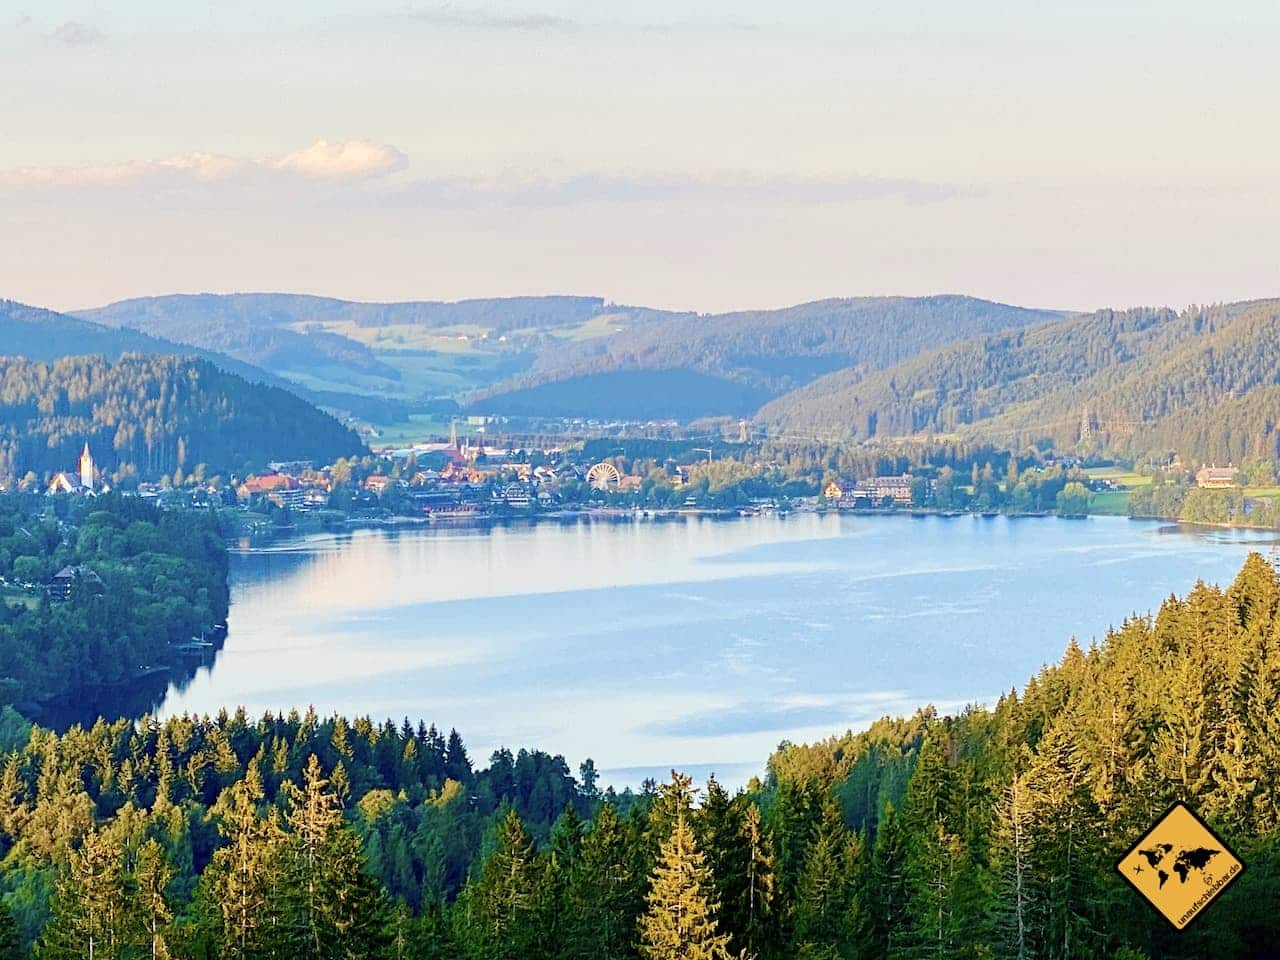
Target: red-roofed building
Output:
[(267, 483)]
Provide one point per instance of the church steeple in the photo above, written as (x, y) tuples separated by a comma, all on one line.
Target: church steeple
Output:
[(87, 470)]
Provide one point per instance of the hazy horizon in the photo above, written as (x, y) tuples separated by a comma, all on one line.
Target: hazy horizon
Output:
[(707, 157), (609, 301)]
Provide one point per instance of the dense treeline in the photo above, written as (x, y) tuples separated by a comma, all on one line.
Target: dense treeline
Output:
[(145, 579), (1004, 837), (39, 334), (152, 416), (730, 363), (970, 381), (1201, 383), (285, 837), (1176, 501), (993, 833)]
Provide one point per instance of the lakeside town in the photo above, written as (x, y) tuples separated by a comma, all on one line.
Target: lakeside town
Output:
[(473, 478)]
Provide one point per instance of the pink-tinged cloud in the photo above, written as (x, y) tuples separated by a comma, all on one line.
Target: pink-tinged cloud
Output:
[(349, 160), (333, 162)]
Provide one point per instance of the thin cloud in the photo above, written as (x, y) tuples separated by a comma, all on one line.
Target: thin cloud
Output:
[(352, 162), (519, 191), (73, 33), (476, 18), (450, 16), (324, 160)]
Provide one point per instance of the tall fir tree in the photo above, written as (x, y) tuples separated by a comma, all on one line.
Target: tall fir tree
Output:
[(1017, 899), (1062, 855), (10, 939), (150, 902), (89, 910), (891, 933), (241, 898), (680, 920), (823, 893), (499, 915), (604, 897), (936, 853)]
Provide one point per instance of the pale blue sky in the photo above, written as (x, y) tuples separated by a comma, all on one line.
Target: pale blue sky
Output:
[(700, 154)]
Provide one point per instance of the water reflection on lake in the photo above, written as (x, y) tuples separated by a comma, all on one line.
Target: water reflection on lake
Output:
[(694, 642)]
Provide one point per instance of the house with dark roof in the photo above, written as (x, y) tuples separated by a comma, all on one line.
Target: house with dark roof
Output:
[(63, 583)]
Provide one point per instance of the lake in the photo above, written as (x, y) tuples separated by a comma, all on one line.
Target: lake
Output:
[(696, 643)]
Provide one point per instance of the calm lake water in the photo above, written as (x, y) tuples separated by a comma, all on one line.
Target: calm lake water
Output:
[(696, 643)]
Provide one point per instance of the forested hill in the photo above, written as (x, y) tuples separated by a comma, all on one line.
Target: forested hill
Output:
[(991, 834), (562, 355), (154, 416), (351, 346), (1201, 382), (996, 832), (40, 334), (692, 364), (203, 316)]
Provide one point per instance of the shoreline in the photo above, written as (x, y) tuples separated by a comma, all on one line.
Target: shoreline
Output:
[(618, 516)]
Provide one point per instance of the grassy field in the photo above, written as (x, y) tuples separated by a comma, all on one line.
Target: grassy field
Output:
[(1110, 503), (11, 596), (420, 426), (1270, 492), (1115, 502), (1126, 478)]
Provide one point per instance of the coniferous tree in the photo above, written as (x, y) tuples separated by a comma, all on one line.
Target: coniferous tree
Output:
[(558, 866), (242, 891), (890, 928), (1016, 902), (721, 835), (790, 820), (755, 914), (604, 895), (1061, 818), (823, 894), (935, 855), (10, 940), (89, 915), (499, 914), (352, 913), (680, 921), (313, 818), (151, 908)]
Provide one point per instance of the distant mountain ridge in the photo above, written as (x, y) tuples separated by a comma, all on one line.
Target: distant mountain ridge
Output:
[(281, 309), (409, 350), (750, 356), (564, 355), (39, 334)]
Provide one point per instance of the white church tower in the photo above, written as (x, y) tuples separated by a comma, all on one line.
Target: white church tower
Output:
[(86, 468)]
